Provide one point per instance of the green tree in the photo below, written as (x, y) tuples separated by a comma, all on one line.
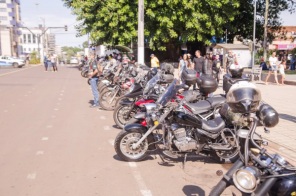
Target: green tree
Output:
[(170, 21), (70, 51), (85, 44)]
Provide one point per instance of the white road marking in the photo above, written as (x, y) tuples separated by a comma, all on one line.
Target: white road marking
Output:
[(106, 128), (44, 138), (32, 176), (39, 152), (111, 142), (103, 117), (282, 148), (56, 109), (49, 126), (5, 111), (141, 184), (23, 69), (53, 116), (132, 164)]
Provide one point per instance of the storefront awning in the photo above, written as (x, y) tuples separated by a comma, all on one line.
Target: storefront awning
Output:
[(285, 46)]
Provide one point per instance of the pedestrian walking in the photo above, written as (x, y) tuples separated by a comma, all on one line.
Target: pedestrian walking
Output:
[(154, 61), (27, 60), (231, 59), (49, 64), (53, 62), (183, 65), (93, 76), (198, 61), (216, 67), (282, 67), (45, 62), (273, 61)]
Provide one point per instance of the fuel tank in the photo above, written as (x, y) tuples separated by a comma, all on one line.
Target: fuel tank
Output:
[(186, 119)]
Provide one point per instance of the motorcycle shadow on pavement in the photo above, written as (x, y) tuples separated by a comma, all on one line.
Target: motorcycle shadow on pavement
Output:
[(190, 190), (288, 117)]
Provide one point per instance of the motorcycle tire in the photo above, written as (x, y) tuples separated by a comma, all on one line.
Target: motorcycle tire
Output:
[(120, 117), (101, 85), (123, 142), (103, 88), (227, 156), (105, 96), (84, 74), (88, 81)]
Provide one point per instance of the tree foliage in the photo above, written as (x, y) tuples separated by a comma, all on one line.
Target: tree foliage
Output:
[(166, 21), (70, 51), (173, 21)]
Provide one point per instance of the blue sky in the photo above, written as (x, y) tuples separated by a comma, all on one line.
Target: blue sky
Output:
[(56, 15)]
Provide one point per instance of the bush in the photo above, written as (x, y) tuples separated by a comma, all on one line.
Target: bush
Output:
[(34, 59)]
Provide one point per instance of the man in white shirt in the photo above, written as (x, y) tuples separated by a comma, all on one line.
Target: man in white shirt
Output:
[(273, 67)]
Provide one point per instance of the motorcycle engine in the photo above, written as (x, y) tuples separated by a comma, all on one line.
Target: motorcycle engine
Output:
[(231, 117), (182, 142)]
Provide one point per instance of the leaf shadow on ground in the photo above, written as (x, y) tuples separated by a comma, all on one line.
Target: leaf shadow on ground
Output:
[(190, 190), (288, 117)]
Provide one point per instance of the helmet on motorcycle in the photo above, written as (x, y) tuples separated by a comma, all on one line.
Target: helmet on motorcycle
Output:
[(236, 72), (243, 97), (267, 115)]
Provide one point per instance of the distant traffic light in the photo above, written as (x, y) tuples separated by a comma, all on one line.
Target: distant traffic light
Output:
[(66, 28)]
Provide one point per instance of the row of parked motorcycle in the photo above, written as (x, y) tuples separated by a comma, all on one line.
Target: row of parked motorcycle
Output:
[(155, 111)]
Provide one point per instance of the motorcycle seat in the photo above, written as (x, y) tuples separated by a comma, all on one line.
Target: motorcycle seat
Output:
[(214, 101), (200, 107), (213, 126)]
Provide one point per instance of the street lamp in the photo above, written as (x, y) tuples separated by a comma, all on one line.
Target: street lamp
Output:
[(254, 35)]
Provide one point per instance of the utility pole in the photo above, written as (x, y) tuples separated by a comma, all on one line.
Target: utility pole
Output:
[(265, 30), (254, 34), (141, 56)]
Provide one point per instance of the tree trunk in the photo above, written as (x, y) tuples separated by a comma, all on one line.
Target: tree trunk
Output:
[(265, 30)]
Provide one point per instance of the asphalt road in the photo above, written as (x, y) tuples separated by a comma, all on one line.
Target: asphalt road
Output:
[(53, 144)]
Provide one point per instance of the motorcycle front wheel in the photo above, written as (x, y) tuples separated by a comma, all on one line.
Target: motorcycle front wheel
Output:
[(121, 115), (227, 156), (108, 100), (123, 146)]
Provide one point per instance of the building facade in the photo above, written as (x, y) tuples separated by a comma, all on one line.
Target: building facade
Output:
[(35, 40), (285, 39), (10, 21)]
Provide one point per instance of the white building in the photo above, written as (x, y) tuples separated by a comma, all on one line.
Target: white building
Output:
[(30, 42), (9, 27)]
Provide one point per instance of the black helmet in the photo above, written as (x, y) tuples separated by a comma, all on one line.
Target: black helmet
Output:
[(236, 73), (267, 115), (243, 97)]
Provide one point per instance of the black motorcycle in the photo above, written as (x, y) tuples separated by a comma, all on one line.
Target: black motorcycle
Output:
[(183, 130), (256, 172)]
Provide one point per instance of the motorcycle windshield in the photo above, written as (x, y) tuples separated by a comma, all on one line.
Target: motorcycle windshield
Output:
[(168, 94), (150, 84)]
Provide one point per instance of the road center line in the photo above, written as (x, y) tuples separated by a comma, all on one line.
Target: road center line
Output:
[(44, 138), (39, 152), (15, 71), (111, 142), (31, 176)]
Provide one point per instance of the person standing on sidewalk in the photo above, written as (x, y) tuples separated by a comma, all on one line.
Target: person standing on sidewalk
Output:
[(292, 62), (45, 62), (93, 76), (273, 67), (282, 67), (53, 61), (154, 61), (199, 62)]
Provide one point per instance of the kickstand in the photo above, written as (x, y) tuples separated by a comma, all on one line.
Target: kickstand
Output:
[(185, 157)]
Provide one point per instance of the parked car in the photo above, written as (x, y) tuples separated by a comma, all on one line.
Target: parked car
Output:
[(5, 64), (73, 60), (16, 62)]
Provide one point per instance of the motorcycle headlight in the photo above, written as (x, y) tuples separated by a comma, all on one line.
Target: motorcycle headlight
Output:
[(246, 179)]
